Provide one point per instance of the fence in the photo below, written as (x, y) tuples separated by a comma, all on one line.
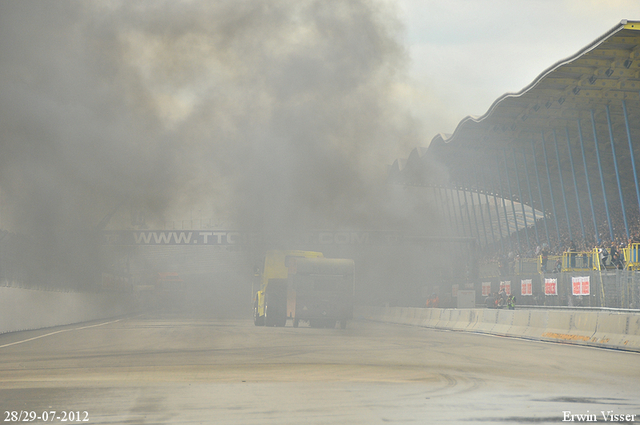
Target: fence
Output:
[(596, 278), (607, 288), (597, 259)]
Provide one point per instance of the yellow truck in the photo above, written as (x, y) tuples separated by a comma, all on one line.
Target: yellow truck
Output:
[(304, 286)]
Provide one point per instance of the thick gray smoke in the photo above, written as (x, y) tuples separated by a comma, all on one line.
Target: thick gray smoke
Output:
[(281, 114)]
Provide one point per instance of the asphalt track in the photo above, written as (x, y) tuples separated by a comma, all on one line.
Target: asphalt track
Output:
[(192, 370)]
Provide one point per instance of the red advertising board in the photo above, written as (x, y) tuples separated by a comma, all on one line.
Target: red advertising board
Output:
[(550, 286), (486, 289), (580, 285), (586, 286), (506, 285), (526, 288)]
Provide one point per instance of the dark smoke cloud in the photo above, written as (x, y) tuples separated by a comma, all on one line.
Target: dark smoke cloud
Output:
[(281, 114)]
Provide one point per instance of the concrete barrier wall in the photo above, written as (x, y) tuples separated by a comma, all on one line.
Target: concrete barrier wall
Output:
[(25, 309), (594, 328)]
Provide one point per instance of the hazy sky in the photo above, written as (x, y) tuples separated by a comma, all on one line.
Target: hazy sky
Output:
[(464, 54), (166, 105)]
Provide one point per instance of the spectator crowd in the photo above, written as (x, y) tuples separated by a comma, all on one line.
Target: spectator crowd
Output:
[(514, 248)]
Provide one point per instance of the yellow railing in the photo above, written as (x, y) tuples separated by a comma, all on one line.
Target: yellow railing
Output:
[(567, 262), (629, 258), (580, 261), (550, 264), (632, 257)]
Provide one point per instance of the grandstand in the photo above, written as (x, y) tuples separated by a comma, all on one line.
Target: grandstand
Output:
[(553, 164)]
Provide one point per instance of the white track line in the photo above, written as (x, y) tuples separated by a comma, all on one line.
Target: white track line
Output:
[(60, 331)]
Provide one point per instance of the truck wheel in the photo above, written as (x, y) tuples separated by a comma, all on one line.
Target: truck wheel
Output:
[(257, 319), (275, 310), (268, 313), (281, 317)]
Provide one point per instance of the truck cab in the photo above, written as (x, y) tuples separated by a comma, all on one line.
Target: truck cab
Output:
[(304, 286)]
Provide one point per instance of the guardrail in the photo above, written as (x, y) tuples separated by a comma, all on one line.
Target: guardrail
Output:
[(578, 309), (605, 328), (26, 309)]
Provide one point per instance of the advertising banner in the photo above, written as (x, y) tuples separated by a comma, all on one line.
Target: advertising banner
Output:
[(506, 285), (526, 288), (580, 285), (486, 289), (551, 286), (234, 237)]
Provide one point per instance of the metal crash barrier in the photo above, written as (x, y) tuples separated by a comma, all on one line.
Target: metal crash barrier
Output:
[(604, 328)]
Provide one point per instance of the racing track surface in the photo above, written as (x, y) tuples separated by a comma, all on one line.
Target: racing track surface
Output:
[(186, 370)]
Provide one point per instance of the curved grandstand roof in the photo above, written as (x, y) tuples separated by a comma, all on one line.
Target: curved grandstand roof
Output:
[(589, 102)]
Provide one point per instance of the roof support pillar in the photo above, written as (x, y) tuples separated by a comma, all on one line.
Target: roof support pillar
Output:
[(484, 226), (553, 202), (633, 161), (615, 166), (575, 185), (513, 206), (586, 175), (453, 208), (466, 209), (443, 192), (495, 201), (473, 210), (604, 190), (526, 172), (544, 213), (464, 229), (564, 197), (486, 196), (504, 204), (441, 210), (524, 214)]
